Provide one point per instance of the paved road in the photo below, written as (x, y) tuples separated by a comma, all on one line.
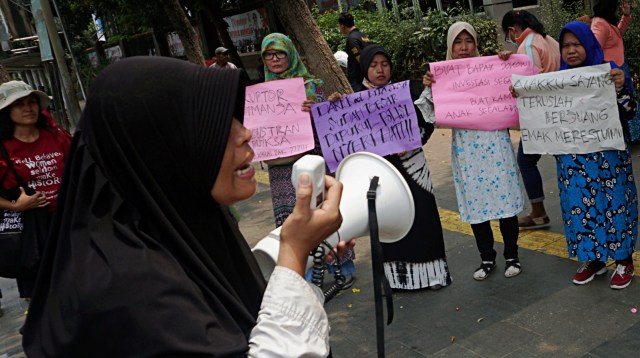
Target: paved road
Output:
[(538, 313)]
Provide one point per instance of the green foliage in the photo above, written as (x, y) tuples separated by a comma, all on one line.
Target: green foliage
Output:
[(554, 14), (412, 45), (631, 45)]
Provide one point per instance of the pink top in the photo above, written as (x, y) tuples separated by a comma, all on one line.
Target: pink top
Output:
[(543, 51), (610, 37)]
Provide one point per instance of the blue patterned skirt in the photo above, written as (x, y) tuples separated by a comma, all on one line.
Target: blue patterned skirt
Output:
[(599, 204)]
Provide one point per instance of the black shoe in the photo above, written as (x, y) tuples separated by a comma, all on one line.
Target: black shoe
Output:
[(486, 267)]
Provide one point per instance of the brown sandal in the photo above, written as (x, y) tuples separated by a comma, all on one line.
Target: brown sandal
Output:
[(531, 223)]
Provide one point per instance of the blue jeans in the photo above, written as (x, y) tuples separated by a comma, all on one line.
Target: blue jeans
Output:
[(528, 164)]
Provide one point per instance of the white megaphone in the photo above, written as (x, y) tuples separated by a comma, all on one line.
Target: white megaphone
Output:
[(394, 206)]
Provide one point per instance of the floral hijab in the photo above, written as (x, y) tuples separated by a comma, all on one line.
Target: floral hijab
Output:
[(280, 42)]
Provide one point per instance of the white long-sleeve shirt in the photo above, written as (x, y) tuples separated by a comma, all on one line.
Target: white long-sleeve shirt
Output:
[(292, 321)]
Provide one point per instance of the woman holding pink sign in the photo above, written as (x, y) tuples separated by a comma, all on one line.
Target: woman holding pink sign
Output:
[(485, 174), (282, 61)]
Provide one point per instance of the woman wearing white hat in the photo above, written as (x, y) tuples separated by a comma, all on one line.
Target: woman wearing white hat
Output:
[(32, 157)]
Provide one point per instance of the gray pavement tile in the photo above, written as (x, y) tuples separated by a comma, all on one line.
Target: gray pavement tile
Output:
[(455, 351), (396, 349), (625, 344), (498, 340)]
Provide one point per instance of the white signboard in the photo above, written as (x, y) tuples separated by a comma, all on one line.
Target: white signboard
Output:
[(569, 112)]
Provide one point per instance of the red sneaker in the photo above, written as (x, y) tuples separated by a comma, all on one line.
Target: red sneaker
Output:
[(622, 276), (588, 270)]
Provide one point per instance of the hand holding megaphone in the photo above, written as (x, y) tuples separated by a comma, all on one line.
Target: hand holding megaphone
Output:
[(306, 228), (394, 205)]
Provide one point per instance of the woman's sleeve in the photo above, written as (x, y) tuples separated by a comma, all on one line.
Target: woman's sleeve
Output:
[(292, 321), (625, 20), (599, 31), (425, 112)]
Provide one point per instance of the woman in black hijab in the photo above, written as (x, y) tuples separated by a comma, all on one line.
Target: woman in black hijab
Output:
[(143, 258)]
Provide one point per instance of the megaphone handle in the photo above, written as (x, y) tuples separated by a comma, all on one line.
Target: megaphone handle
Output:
[(379, 279)]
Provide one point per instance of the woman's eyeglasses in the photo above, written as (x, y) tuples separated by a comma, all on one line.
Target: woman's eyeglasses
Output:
[(269, 55)]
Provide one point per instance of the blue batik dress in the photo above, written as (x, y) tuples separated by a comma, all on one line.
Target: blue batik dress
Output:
[(599, 199)]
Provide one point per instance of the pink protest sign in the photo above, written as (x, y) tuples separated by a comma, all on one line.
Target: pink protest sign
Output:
[(473, 93), (381, 121), (272, 111)]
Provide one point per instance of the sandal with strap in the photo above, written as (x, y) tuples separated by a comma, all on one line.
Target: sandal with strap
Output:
[(513, 268), (530, 223), (484, 270)]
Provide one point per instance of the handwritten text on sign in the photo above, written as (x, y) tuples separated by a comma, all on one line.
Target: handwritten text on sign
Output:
[(473, 93), (272, 111), (382, 121), (569, 112)]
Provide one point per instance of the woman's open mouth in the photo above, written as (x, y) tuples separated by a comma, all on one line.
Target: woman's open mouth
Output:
[(245, 172)]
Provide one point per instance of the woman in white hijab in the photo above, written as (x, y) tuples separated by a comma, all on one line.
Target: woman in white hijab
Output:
[(484, 173)]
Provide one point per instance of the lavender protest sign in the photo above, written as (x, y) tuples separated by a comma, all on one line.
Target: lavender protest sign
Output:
[(473, 93), (569, 112), (382, 121), (279, 128)]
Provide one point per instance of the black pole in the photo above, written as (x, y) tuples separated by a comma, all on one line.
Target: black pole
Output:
[(379, 280)]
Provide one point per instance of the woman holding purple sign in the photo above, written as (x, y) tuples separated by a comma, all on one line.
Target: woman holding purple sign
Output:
[(418, 260), (485, 174)]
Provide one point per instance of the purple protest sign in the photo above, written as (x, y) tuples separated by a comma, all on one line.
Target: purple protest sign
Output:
[(381, 121), (473, 93), (279, 128)]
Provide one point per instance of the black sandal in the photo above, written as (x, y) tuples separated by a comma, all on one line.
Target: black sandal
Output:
[(513, 268), (484, 270)]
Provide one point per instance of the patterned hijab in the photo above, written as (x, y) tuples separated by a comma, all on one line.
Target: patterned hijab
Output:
[(280, 42), (454, 31)]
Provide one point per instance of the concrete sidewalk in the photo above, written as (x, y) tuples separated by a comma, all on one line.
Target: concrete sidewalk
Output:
[(538, 313)]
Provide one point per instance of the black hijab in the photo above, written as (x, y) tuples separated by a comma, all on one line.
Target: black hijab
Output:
[(141, 261), (367, 54)]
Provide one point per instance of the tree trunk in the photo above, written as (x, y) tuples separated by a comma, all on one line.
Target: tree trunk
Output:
[(4, 75), (303, 30), (185, 31), (223, 31)]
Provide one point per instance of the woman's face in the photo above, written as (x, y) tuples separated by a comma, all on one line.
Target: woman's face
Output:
[(573, 53), (463, 46), (379, 72), (24, 111), (275, 64), (235, 181)]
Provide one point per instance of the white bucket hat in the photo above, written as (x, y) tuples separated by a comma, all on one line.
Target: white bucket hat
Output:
[(14, 90)]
